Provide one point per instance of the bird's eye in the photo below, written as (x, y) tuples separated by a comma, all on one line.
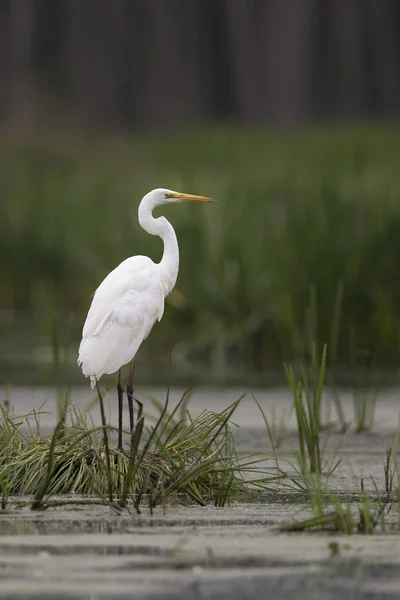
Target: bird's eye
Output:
[(168, 195)]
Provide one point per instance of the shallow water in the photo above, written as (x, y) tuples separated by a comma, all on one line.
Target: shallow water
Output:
[(190, 552), (203, 552)]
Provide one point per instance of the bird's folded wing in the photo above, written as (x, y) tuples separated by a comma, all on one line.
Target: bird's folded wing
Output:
[(122, 314)]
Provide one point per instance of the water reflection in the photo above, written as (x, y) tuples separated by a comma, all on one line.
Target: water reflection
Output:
[(21, 526)]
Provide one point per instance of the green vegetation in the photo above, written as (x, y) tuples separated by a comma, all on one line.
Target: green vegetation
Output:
[(190, 460), (193, 460), (304, 244), (362, 513), (307, 403), (301, 250)]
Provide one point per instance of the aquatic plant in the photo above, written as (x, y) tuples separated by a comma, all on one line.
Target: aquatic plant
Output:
[(190, 460)]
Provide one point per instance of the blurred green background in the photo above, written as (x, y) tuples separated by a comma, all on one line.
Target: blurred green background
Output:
[(304, 242)]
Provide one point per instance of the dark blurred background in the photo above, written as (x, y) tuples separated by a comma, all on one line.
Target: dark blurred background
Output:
[(136, 65), (284, 110)]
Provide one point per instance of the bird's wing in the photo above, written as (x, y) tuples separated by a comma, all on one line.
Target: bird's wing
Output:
[(123, 311), (137, 274)]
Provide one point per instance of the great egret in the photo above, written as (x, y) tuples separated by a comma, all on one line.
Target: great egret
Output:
[(128, 302)]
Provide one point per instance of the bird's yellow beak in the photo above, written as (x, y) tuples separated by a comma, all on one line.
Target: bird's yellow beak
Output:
[(190, 197)]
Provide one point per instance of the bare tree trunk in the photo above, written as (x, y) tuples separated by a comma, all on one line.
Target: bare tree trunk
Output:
[(352, 94), (215, 53), (324, 88), (174, 88), (248, 29), (135, 62), (288, 57), (386, 65), (166, 62), (271, 48), (194, 33), (94, 40), (4, 61), (21, 111)]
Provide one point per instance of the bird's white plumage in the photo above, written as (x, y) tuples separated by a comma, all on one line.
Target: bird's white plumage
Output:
[(131, 298), (124, 309)]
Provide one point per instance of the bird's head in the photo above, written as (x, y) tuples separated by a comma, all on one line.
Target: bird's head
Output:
[(163, 196)]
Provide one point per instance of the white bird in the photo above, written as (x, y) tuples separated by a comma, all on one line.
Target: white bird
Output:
[(130, 300)]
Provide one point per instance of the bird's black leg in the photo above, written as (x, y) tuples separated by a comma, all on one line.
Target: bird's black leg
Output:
[(120, 408), (129, 393)]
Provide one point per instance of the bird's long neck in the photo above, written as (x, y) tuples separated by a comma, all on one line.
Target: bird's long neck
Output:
[(169, 264)]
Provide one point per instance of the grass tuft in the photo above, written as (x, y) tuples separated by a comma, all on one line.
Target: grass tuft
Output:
[(307, 398), (193, 462), (364, 514)]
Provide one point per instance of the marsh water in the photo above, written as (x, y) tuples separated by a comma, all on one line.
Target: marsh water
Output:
[(206, 552)]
